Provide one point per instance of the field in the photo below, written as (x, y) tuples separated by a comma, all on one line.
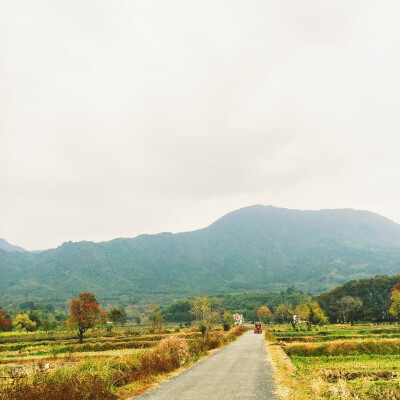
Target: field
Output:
[(337, 361), (108, 365)]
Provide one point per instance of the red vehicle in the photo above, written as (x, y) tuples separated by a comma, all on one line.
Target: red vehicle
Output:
[(257, 327)]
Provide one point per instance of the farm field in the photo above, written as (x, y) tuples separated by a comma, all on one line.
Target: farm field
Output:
[(337, 361), (107, 365)]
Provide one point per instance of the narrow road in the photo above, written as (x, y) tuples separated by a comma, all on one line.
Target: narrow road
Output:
[(237, 371)]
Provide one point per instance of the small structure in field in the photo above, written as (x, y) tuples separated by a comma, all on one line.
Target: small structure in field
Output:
[(239, 320)]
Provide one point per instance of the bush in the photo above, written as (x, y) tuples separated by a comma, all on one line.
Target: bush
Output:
[(169, 354), (174, 345), (240, 330), (213, 341)]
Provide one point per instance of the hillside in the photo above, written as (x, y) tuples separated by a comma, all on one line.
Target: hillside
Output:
[(254, 248), (4, 245)]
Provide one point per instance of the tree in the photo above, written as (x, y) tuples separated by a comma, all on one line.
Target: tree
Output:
[(395, 306), (284, 313), (22, 322), (137, 319), (394, 288), (264, 314), (202, 311), (5, 321), (36, 317), (179, 311), (155, 318), (311, 312), (49, 323), (118, 316), (85, 313), (228, 320), (349, 308)]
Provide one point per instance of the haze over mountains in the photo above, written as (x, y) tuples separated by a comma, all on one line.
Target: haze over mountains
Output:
[(4, 245), (254, 248)]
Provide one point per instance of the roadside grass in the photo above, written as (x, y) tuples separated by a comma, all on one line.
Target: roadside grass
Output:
[(124, 373), (364, 366)]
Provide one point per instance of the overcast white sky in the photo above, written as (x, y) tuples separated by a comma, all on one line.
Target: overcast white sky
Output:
[(126, 117)]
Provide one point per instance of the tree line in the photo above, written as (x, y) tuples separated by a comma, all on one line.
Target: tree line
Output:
[(369, 300), (373, 300)]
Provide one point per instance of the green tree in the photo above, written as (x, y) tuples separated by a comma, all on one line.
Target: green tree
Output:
[(228, 320), (118, 316), (155, 318), (49, 323), (349, 308), (311, 312), (202, 311), (284, 314), (36, 317), (179, 311)]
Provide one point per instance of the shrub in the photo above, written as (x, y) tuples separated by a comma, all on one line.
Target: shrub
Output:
[(168, 355), (213, 341), (240, 330), (174, 345)]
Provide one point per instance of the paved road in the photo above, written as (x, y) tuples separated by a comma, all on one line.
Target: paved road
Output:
[(237, 371)]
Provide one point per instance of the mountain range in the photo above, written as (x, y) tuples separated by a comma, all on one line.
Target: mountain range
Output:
[(253, 248)]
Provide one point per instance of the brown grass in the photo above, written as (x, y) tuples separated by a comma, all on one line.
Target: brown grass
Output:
[(284, 372), (78, 388)]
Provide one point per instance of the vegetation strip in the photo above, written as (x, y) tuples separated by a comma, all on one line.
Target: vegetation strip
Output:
[(362, 368)]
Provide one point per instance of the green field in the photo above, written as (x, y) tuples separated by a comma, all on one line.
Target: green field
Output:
[(340, 362)]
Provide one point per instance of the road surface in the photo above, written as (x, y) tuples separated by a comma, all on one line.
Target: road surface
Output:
[(237, 371)]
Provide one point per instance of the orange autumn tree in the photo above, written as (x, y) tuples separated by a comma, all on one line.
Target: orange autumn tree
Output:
[(394, 288), (5, 321), (85, 313), (264, 314)]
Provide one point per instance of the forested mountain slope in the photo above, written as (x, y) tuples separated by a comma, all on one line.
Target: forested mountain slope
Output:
[(254, 248), (4, 245)]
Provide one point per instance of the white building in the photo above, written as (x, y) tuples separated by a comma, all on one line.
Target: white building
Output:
[(239, 320)]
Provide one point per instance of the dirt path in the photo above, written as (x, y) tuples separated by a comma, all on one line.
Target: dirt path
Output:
[(237, 371)]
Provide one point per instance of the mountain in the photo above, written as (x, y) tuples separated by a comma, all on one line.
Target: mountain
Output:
[(254, 248), (4, 245)]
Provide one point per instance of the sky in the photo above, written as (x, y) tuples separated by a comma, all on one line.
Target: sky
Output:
[(119, 118)]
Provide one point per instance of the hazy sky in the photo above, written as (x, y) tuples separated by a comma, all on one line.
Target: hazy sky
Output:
[(126, 117)]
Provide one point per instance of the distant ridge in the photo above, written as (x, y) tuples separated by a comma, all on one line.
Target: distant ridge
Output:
[(4, 245), (253, 248)]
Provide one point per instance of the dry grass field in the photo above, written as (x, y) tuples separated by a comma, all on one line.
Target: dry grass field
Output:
[(108, 365), (336, 362)]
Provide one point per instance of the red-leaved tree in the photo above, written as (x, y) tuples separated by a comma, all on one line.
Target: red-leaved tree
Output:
[(85, 313), (5, 321)]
